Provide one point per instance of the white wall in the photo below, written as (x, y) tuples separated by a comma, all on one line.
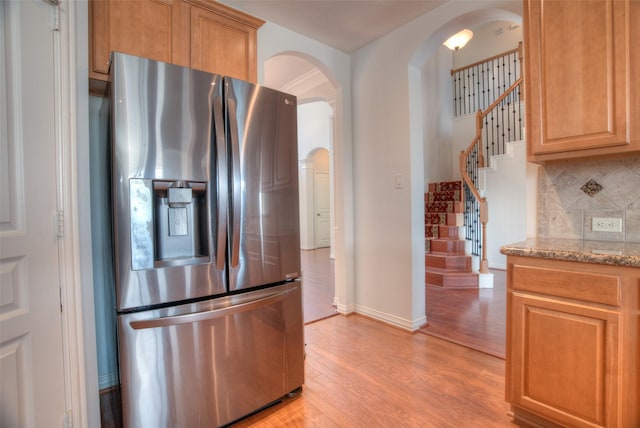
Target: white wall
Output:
[(506, 194), (436, 121), (314, 128)]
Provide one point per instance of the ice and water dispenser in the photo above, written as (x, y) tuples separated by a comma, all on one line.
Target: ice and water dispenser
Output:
[(169, 223)]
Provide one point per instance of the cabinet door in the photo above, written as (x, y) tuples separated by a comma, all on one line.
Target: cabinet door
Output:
[(222, 45), (146, 28), (576, 74), (565, 361)]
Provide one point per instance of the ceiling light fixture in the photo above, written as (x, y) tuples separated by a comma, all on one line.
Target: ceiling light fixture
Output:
[(458, 40)]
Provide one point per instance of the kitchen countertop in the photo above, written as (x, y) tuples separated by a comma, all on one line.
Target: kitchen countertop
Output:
[(575, 250)]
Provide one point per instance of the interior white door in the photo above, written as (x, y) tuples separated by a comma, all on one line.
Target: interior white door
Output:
[(32, 390), (322, 210)]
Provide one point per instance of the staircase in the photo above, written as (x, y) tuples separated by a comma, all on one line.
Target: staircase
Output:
[(446, 263)]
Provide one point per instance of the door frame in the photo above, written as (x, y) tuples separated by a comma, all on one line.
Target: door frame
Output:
[(72, 154), (315, 207)]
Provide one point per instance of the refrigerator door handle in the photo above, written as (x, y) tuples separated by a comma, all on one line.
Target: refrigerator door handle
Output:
[(212, 314), (221, 182), (235, 179)]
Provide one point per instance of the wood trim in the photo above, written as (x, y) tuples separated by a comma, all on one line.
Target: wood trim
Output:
[(78, 323), (491, 58), (572, 284), (224, 10), (98, 24)]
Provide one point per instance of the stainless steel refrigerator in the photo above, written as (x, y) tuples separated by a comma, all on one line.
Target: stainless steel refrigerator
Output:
[(206, 237)]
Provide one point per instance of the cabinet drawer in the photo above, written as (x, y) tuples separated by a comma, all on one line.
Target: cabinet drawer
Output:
[(589, 287)]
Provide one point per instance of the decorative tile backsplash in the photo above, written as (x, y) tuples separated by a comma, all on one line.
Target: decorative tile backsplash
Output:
[(571, 193), (591, 187)]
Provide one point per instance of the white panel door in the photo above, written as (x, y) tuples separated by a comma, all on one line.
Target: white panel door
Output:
[(322, 210), (32, 390)]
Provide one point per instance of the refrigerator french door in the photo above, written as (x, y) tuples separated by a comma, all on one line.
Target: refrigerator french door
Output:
[(206, 239)]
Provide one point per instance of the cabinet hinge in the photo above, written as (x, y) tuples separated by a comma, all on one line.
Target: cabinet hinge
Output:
[(60, 224)]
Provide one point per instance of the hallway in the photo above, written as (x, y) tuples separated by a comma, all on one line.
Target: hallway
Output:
[(317, 284)]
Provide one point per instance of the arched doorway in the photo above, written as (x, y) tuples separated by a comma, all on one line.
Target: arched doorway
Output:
[(471, 317), (316, 95)]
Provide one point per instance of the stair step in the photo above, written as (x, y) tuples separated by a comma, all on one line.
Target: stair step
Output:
[(448, 279), (449, 219), (446, 261), (445, 186), (442, 231), (445, 231), (444, 207), (445, 195), (449, 246)]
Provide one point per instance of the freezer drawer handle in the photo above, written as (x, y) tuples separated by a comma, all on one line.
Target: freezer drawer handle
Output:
[(208, 315)]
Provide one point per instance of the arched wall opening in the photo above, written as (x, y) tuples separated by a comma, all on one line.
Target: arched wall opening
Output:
[(433, 129), (319, 124)]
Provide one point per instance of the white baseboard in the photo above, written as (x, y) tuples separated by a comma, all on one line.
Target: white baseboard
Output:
[(343, 309), (485, 280), (393, 320)]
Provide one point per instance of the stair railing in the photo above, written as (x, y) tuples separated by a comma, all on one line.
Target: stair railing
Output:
[(470, 162), (476, 85)]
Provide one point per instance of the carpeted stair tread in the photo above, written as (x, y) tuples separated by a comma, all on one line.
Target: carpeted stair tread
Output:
[(432, 231), (444, 207), (447, 195), (445, 186)]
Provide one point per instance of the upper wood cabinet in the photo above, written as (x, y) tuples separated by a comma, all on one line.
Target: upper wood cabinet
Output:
[(201, 34), (582, 78), (222, 45)]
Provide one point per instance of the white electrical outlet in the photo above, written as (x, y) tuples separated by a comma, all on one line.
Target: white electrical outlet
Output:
[(608, 224)]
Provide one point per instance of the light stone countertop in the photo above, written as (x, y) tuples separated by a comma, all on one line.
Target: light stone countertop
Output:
[(574, 250)]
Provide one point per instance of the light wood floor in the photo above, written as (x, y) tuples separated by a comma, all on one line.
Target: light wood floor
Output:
[(474, 317), (318, 288), (361, 373)]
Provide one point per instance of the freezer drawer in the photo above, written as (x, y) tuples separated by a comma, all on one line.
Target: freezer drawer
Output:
[(209, 363)]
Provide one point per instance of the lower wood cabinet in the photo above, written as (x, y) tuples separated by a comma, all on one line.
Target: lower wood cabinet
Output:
[(572, 343)]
